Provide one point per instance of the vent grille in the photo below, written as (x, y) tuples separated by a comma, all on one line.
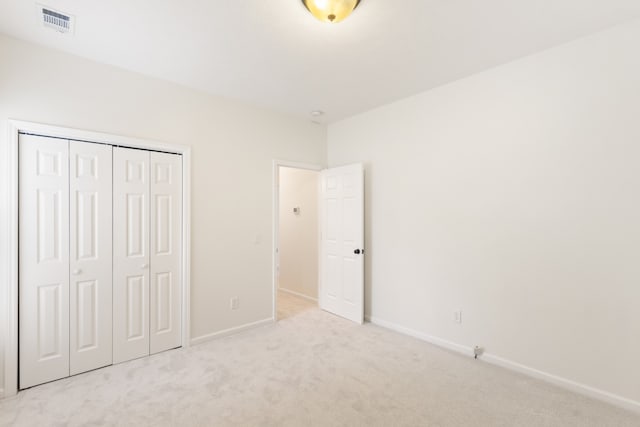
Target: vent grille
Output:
[(57, 20)]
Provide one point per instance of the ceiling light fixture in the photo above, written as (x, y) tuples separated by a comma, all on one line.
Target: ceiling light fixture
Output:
[(331, 10)]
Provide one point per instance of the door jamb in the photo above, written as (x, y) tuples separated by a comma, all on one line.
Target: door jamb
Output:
[(9, 228), (277, 164)]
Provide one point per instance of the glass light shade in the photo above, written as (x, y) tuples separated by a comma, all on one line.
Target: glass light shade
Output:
[(331, 10)]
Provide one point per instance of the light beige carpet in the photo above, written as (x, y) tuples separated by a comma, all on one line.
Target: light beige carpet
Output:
[(309, 369)]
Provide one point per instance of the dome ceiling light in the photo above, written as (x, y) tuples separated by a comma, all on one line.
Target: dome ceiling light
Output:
[(332, 11)]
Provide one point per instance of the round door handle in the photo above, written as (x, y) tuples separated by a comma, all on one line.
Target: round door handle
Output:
[(143, 266), (357, 252), (77, 271)]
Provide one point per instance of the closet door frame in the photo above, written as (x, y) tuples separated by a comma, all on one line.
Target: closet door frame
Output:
[(9, 228)]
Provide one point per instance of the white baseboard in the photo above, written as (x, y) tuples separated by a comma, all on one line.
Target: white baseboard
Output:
[(468, 351), (231, 331), (565, 383), (298, 294)]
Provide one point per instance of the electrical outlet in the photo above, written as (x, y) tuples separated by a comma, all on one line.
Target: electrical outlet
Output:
[(457, 316), (235, 303)]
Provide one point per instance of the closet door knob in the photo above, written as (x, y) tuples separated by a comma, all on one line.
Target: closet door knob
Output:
[(144, 266), (76, 271)]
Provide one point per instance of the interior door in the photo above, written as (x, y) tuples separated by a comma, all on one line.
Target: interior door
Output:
[(44, 259), (166, 244), (342, 242), (90, 242), (130, 254)]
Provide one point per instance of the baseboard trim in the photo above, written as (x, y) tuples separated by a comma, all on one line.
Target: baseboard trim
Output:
[(467, 351), (231, 331), (298, 294), (565, 383)]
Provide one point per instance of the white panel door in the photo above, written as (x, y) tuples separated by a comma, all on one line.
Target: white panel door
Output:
[(91, 261), (130, 254), (342, 242), (166, 244), (44, 259)]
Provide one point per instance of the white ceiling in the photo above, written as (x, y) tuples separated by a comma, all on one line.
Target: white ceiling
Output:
[(274, 54)]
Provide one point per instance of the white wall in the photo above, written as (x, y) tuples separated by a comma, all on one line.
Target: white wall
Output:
[(233, 149), (298, 245), (513, 195)]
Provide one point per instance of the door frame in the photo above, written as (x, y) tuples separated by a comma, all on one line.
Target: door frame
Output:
[(9, 228), (277, 164)]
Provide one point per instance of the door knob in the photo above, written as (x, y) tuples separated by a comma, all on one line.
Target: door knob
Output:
[(357, 251), (77, 271), (143, 266)]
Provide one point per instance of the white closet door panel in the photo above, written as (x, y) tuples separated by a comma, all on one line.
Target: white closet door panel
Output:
[(166, 243), (130, 254), (91, 256), (44, 259)]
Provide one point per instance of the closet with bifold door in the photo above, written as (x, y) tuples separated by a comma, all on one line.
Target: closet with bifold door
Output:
[(100, 243), (146, 254)]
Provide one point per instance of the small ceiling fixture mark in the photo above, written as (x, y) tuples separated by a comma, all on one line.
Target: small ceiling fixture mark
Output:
[(316, 116)]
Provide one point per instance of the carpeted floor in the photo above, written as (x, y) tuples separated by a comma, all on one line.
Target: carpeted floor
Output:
[(290, 305), (309, 369)]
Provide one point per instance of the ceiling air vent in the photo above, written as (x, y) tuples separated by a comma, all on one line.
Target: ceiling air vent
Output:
[(55, 19)]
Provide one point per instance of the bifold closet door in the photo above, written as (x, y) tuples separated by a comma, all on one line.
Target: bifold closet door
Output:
[(100, 256), (90, 242), (147, 245), (65, 258), (166, 244), (44, 259), (130, 254)]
